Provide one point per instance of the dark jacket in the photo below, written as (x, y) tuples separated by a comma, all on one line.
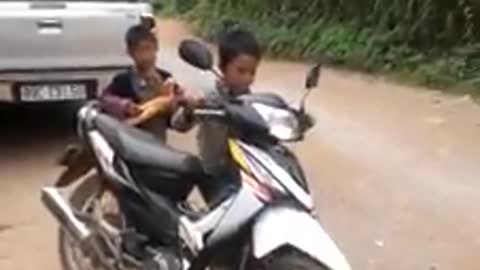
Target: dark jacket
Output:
[(122, 91), (126, 88)]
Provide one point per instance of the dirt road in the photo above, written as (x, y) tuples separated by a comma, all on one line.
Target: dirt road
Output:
[(395, 170)]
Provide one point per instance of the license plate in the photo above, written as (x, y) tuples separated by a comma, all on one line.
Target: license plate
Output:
[(53, 92)]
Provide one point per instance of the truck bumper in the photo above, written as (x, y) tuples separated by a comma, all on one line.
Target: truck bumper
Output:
[(96, 79)]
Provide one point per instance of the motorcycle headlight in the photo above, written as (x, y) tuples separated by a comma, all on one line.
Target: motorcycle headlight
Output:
[(283, 124)]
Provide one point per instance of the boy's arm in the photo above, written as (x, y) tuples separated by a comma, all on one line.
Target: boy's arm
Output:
[(182, 120), (112, 101), (151, 108)]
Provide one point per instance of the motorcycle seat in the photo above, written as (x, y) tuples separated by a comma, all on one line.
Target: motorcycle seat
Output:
[(138, 147)]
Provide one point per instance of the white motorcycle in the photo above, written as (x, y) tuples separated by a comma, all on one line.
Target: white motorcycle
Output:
[(267, 223)]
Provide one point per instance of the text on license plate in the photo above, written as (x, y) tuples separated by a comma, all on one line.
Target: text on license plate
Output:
[(53, 92)]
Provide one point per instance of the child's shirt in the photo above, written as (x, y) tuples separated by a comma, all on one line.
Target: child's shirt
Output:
[(212, 135), (129, 88)]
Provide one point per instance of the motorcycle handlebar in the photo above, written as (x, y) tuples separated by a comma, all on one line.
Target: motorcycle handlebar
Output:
[(209, 113)]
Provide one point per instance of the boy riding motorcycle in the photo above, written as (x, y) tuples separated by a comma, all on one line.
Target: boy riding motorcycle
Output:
[(239, 57)]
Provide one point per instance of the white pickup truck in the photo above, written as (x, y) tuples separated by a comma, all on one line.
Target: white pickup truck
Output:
[(53, 51)]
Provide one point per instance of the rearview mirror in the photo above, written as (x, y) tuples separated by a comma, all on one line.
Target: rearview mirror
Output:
[(196, 54), (313, 76)]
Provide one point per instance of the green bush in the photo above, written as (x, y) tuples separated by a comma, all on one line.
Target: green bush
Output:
[(437, 42), (173, 7)]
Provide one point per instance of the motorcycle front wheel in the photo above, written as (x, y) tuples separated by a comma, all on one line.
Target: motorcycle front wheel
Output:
[(289, 259)]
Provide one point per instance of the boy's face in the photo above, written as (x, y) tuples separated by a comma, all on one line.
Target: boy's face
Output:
[(239, 74), (144, 54)]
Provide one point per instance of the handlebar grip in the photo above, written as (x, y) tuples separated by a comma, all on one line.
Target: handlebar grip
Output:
[(209, 112)]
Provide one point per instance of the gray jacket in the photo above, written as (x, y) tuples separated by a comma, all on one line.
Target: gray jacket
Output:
[(212, 135)]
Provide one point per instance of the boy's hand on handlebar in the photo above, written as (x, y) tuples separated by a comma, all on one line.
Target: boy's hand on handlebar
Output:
[(188, 101), (186, 98)]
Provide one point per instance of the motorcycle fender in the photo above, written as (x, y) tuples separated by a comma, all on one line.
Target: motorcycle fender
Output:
[(284, 226)]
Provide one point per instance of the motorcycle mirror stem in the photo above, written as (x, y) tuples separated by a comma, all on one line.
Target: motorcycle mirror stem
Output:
[(217, 72), (306, 93), (311, 82)]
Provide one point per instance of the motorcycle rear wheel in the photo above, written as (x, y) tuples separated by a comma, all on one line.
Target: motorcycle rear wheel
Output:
[(71, 256)]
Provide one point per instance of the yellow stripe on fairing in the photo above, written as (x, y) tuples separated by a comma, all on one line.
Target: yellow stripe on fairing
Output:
[(237, 154)]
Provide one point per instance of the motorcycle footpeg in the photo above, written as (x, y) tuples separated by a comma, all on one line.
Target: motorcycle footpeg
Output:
[(163, 261), (193, 214), (134, 244)]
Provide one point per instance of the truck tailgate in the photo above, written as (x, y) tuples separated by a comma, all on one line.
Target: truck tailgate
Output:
[(55, 34)]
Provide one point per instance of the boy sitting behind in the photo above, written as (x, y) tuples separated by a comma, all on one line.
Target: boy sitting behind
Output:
[(143, 95)]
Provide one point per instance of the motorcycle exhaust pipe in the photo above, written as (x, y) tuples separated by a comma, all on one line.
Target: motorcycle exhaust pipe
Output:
[(63, 213)]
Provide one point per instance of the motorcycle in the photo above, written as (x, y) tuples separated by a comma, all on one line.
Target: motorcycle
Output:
[(267, 223)]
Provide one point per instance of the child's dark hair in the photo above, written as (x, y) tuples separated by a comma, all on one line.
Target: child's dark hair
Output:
[(237, 42), (138, 33)]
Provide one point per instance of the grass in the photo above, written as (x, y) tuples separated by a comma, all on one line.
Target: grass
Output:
[(345, 43)]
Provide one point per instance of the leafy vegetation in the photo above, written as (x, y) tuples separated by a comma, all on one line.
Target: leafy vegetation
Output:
[(434, 42)]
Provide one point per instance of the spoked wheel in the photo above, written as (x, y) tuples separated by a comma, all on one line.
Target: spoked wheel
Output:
[(71, 255)]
